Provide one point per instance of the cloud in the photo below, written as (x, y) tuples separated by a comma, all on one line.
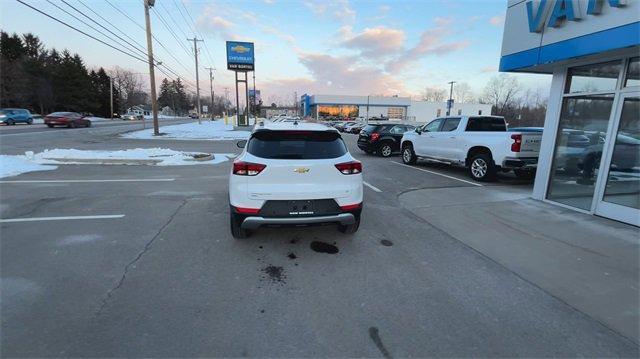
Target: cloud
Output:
[(374, 42), (432, 42), (335, 9), (489, 69), (497, 20), (343, 75)]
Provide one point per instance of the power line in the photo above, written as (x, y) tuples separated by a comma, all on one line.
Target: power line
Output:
[(80, 31), (153, 36), (184, 34), (164, 23), (195, 30), (93, 37), (97, 23)]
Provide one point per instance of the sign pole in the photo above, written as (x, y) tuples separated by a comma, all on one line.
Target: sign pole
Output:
[(237, 101), (246, 87)]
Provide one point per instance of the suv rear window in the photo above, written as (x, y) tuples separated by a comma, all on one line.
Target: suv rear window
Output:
[(303, 145), (486, 124), (376, 128)]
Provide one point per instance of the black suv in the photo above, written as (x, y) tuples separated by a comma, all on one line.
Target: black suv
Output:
[(384, 139)]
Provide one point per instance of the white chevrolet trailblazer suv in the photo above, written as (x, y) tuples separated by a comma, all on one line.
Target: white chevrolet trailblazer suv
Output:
[(293, 174)]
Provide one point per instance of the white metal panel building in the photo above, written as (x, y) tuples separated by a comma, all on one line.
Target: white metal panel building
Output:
[(319, 106), (590, 154)]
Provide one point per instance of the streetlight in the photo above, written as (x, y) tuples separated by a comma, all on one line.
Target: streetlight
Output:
[(450, 102)]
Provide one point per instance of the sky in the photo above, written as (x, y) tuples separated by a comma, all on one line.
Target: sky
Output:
[(308, 46)]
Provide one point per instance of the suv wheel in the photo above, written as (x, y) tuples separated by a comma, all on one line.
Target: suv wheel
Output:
[(11, 122), (482, 168), (350, 228), (408, 156), (237, 231), (385, 150)]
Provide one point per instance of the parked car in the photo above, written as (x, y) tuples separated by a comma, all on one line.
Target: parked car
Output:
[(341, 126), (355, 129), (480, 143), (349, 127), (193, 115), (526, 129), (11, 116), (67, 119), (130, 116), (382, 138), (294, 174)]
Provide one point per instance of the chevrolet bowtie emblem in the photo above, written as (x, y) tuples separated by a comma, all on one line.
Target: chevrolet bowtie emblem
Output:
[(301, 170)]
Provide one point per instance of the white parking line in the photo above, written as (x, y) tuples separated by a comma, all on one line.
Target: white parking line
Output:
[(372, 187), (436, 173), (96, 180), (34, 219)]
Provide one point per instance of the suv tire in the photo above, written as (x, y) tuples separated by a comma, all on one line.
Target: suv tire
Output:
[(385, 149), (350, 228), (11, 122), (408, 155), (481, 168), (236, 231)]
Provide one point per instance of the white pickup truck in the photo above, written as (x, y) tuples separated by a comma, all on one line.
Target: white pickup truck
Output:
[(479, 143)]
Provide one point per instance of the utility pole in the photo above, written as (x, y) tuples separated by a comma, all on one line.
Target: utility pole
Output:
[(111, 94), (450, 102), (254, 94), (152, 76), (211, 84), (195, 52)]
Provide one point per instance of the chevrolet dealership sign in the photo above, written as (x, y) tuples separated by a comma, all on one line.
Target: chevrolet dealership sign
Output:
[(539, 33), (555, 12), (240, 56)]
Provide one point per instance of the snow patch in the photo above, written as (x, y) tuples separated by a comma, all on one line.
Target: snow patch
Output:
[(15, 165), (29, 162), (207, 130)]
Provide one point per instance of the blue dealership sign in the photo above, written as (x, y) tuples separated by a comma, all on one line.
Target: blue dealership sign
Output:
[(240, 56)]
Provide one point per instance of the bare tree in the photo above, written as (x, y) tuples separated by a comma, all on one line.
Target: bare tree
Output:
[(462, 93), (432, 94), (501, 92), (130, 88)]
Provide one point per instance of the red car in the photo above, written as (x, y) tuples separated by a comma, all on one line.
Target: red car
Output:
[(67, 119)]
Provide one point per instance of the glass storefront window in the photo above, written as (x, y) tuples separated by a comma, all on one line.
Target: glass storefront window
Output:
[(633, 73), (578, 149), (623, 180), (593, 78), (337, 111)]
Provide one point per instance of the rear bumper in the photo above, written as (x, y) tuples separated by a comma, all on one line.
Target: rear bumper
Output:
[(366, 146), (529, 163), (254, 222)]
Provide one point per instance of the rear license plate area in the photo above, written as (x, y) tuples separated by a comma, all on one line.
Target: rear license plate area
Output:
[(300, 208)]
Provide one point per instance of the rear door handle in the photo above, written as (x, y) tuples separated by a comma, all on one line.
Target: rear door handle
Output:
[(452, 136)]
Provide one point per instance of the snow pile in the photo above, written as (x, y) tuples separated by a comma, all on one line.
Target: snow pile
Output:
[(207, 130), (157, 156), (29, 162), (15, 165)]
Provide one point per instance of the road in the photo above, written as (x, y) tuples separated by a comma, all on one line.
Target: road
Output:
[(162, 276)]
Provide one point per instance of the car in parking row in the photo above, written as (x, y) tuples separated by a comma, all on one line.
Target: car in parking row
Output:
[(382, 138), (12, 116)]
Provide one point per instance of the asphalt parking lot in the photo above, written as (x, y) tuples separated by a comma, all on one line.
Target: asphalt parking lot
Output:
[(152, 270)]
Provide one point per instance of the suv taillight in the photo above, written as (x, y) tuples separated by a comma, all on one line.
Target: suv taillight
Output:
[(350, 168), (375, 136), (517, 143), (247, 168)]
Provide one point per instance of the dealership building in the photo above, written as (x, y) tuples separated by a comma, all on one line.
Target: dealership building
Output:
[(392, 107), (590, 153)]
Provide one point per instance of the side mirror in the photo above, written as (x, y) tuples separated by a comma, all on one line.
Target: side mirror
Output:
[(418, 130), (241, 143)]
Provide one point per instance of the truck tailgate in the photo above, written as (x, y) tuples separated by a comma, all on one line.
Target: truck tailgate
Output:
[(530, 144)]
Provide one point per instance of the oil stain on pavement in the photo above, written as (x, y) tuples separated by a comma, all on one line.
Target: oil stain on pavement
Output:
[(386, 243), (322, 247), (274, 273)]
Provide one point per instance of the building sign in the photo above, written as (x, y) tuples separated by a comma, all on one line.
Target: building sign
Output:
[(240, 56), (555, 12), (256, 94)]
